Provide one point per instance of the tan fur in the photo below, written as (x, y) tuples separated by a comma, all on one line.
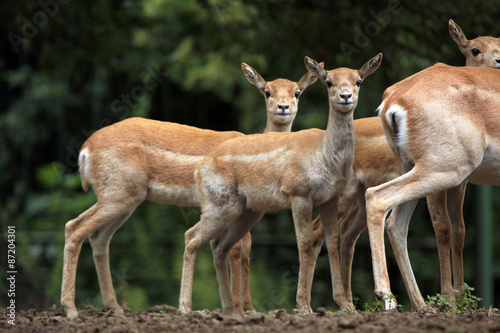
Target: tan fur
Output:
[(452, 135), (140, 159), (243, 178)]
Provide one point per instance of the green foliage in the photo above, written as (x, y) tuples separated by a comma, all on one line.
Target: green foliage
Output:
[(377, 306), (442, 302), (93, 64), (465, 301)]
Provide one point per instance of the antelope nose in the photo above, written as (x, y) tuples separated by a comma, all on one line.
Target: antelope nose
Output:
[(345, 96), (498, 61), (283, 107)]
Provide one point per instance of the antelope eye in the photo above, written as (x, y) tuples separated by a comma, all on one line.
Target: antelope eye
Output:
[(297, 94), (358, 83), (329, 84), (475, 52), (267, 93)]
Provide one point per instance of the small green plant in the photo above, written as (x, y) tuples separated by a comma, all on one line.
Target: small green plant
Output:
[(377, 306), (464, 301), (442, 302), (357, 303)]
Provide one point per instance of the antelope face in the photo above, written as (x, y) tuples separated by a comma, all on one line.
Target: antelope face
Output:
[(343, 83), (343, 88), (483, 52), (282, 100), (480, 51), (281, 96)]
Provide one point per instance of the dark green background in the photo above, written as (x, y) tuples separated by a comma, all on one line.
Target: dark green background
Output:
[(69, 68)]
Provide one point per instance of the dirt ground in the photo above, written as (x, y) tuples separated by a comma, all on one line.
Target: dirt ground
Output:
[(164, 318)]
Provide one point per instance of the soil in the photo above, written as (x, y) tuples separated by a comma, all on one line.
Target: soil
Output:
[(164, 318)]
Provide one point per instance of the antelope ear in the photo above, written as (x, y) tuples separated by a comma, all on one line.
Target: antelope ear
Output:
[(371, 66), (317, 70), (458, 36), (306, 81), (253, 76)]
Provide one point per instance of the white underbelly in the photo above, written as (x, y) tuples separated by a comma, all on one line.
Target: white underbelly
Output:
[(173, 195), (265, 199), (488, 172)]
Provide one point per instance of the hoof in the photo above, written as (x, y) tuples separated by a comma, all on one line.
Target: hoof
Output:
[(392, 310), (118, 311), (390, 304), (184, 309), (72, 314), (389, 300), (305, 310)]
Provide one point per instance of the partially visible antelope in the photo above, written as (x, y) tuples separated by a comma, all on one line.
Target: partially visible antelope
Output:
[(443, 124), (140, 159), (481, 51)]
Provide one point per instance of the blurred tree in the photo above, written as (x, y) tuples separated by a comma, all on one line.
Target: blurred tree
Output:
[(70, 68)]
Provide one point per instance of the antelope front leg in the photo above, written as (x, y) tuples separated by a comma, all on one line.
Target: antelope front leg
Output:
[(328, 212), (455, 201), (235, 258), (442, 228), (219, 253), (302, 213), (245, 273), (239, 259), (220, 248), (350, 229)]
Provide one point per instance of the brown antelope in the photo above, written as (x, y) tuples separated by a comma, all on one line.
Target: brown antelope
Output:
[(140, 159), (245, 177), (443, 123)]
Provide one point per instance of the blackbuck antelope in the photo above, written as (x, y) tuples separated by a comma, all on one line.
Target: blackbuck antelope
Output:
[(443, 124), (245, 177), (139, 159)]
